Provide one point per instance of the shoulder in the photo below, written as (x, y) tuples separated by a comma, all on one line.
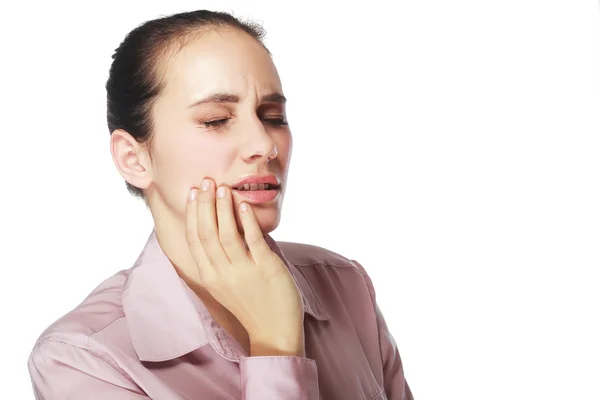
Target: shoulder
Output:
[(317, 262), (68, 358), (98, 311), (304, 254), (332, 282)]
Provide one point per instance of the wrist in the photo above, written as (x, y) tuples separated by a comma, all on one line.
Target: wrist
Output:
[(258, 349), (289, 345)]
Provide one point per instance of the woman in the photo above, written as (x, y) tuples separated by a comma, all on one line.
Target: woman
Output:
[(214, 308)]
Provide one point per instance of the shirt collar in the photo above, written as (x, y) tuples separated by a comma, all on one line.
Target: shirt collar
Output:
[(165, 317)]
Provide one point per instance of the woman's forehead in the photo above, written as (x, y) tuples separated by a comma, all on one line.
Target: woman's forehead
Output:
[(222, 61)]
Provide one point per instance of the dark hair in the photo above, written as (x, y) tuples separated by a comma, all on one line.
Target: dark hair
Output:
[(134, 82)]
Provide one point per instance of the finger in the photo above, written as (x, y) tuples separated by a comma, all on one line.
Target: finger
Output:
[(191, 235), (230, 238), (208, 233), (259, 249)]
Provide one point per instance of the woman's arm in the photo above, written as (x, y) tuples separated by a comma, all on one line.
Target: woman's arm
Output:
[(63, 371), (395, 385)]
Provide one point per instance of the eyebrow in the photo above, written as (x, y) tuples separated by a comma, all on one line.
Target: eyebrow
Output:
[(232, 98)]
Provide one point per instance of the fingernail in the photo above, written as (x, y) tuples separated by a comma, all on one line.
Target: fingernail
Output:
[(193, 194), (205, 185), (243, 207), (221, 192)]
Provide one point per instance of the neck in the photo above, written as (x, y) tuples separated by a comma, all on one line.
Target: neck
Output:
[(170, 233)]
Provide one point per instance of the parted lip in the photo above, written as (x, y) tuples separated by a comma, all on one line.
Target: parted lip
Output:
[(270, 179)]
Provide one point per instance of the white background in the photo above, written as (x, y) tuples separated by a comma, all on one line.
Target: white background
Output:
[(451, 147)]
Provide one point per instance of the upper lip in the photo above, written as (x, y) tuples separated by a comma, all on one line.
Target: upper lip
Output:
[(270, 179)]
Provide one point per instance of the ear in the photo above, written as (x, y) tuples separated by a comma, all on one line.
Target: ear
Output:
[(131, 159)]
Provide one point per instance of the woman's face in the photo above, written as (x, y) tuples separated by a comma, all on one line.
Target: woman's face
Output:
[(226, 138)]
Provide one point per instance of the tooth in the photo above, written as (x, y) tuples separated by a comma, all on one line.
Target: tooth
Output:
[(246, 186)]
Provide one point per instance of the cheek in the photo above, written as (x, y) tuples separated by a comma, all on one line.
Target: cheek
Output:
[(184, 165), (196, 162)]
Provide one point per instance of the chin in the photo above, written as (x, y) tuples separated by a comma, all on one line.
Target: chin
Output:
[(267, 219)]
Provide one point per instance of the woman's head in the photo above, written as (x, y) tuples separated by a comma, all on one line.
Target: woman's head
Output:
[(196, 95)]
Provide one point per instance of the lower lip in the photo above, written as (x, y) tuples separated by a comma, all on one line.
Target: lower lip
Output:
[(258, 196)]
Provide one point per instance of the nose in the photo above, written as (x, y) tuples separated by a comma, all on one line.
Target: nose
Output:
[(259, 145)]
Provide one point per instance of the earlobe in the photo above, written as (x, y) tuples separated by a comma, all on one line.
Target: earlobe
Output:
[(131, 159)]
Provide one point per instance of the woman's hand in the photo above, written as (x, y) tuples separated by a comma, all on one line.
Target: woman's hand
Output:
[(254, 285)]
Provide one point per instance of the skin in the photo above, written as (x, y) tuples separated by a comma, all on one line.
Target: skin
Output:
[(188, 147)]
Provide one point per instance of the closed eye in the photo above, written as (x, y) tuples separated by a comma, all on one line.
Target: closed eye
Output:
[(275, 121), (223, 121), (216, 123)]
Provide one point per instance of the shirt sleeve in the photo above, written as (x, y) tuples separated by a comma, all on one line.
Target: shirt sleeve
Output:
[(395, 385), (279, 377), (61, 371)]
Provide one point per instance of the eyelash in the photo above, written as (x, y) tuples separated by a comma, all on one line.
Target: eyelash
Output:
[(223, 121)]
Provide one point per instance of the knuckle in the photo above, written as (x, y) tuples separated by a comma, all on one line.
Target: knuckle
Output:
[(227, 239), (191, 240), (190, 235), (204, 236), (253, 239)]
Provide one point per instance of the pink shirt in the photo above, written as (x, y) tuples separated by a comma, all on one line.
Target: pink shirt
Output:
[(143, 333)]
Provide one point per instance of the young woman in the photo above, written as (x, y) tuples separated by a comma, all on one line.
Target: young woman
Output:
[(214, 308)]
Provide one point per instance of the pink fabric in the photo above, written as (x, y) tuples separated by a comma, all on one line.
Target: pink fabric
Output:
[(143, 333)]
